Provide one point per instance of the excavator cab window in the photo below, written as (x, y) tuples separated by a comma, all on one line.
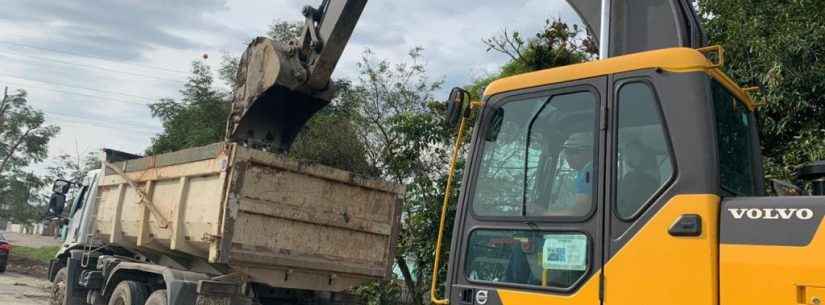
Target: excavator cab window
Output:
[(541, 163), (527, 257), (735, 139), (643, 159)]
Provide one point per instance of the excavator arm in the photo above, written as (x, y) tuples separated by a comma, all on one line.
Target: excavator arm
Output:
[(632, 26), (282, 84)]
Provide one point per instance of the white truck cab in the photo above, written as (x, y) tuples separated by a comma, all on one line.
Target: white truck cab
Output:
[(83, 205)]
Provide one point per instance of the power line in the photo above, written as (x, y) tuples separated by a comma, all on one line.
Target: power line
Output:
[(100, 97), (79, 87), (29, 57), (102, 123), (80, 54)]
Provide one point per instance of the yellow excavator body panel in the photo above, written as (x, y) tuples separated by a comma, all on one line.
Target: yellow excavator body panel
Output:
[(772, 273), (677, 60)]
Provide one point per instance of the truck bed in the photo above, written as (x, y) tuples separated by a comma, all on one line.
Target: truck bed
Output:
[(238, 210)]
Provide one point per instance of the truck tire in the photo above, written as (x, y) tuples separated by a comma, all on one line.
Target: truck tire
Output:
[(57, 294), (128, 293), (157, 298), (3, 263)]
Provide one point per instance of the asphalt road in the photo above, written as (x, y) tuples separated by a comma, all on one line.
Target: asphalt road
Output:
[(18, 289)]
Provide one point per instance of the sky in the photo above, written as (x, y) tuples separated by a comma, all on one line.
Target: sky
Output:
[(94, 66)]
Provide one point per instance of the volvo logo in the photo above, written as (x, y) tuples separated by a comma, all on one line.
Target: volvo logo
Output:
[(772, 213), (481, 297)]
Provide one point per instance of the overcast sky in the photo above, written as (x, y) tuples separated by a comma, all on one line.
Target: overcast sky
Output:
[(92, 66)]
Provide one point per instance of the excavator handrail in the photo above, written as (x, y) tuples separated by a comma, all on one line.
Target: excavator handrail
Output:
[(447, 193)]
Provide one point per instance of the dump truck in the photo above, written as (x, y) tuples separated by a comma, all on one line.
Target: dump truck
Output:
[(231, 223), (224, 224)]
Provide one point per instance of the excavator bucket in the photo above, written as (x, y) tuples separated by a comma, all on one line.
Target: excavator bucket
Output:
[(282, 84), (271, 104), (275, 118)]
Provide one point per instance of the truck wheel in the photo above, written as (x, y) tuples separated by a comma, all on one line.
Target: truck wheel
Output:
[(57, 295), (128, 293), (3, 263), (157, 298)]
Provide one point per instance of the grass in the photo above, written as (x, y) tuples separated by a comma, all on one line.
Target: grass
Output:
[(42, 254)]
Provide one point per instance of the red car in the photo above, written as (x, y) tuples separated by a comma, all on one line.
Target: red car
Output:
[(5, 249)]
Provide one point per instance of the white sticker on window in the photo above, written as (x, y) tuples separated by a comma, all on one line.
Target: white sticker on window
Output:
[(565, 252)]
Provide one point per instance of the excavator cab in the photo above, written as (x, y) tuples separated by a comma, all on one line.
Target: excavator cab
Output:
[(634, 179), (582, 165)]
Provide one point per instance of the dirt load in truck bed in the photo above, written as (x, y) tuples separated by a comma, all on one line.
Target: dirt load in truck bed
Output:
[(238, 210)]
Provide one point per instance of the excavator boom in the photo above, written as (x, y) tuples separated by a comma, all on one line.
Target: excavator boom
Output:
[(640, 25)]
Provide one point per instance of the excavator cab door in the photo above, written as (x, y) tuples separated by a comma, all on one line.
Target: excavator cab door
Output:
[(530, 220)]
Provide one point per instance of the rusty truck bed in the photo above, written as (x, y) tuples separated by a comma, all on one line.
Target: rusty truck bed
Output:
[(278, 221)]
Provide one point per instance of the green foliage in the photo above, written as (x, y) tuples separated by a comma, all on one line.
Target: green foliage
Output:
[(379, 293), (228, 70), (558, 44), (402, 126), (24, 139), (285, 31), (331, 137), (198, 119), (18, 198), (72, 168), (24, 135), (42, 254), (780, 47)]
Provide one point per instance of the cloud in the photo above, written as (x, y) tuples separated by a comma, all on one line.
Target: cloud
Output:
[(160, 38), (115, 29), (450, 32)]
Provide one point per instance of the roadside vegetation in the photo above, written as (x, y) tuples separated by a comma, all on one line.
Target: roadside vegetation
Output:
[(42, 254)]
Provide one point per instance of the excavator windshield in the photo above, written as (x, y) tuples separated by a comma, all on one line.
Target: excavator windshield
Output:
[(539, 160)]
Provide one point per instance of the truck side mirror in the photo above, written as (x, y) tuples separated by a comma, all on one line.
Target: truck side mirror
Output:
[(457, 104), (61, 187), (57, 203)]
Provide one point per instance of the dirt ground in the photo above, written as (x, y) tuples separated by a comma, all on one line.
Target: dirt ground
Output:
[(24, 282), (26, 266), (19, 289), (34, 241)]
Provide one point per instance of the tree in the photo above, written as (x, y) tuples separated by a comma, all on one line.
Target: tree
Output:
[(72, 168), (19, 199), (331, 136), (24, 135), (558, 44), (780, 47), (198, 119), (24, 139), (401, 124), (285, 31)]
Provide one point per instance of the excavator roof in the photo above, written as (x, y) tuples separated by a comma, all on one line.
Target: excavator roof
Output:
[(678, 60)]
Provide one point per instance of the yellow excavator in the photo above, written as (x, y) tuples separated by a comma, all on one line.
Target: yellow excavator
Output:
[(633, 179)]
